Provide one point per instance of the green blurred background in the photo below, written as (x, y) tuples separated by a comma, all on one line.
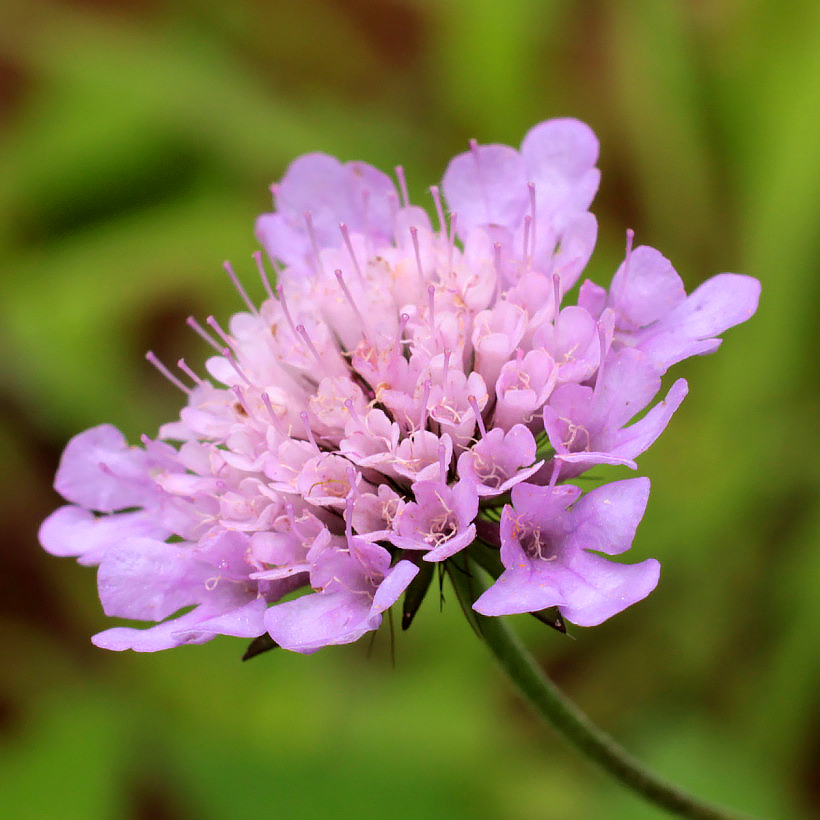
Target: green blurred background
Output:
[(137, 141)]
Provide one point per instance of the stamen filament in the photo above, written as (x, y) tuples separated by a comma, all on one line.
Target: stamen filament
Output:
[(599, 378), (238, 285), (527, 233), (343, 285), (305, 420), (442, 223), (414, 234), (283, 302), (229, 341), (451, 240), (240, 396), (151, 357), (195, 326), (349, 245), (226, 352), (442, 454), (497, 259), (351, 408), (277, 422), (531, 188), (630, 235), (300, 329), (428, 386), (314, 242), (260, 265), (188, 372), (480, 421), (402, 185)]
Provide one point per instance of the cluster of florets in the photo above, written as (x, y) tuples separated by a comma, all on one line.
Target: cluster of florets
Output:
[(408, 395)]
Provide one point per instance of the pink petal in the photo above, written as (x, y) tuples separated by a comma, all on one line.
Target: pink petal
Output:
[(320, 619), (247, 621), (486, 186), (73, 530), (602, 588), (515, 592), (99, 471), (718, 304), (633, 440), (148, 580), (562, 147), (607, 517), (167, 635), (394, 583), (646, 287)]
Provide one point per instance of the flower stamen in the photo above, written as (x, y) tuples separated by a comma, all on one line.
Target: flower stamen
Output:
[(238, 285), (151, 357)]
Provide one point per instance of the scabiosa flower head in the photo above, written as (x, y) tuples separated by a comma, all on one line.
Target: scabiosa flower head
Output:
[(410, 392)]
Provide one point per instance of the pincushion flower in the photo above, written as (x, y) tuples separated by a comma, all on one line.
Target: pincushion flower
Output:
[(408, 394)]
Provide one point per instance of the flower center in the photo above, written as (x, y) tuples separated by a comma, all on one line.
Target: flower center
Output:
[(535, 544), (441, 528)]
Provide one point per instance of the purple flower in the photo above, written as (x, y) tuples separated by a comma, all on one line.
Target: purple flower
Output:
[(654, 314), (401, 384), (586, 425), (439, 521), (149, 580), (499, 460), (354, 586), (549, 546)]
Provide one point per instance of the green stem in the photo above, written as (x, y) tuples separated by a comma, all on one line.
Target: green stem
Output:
[(569, 720)]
